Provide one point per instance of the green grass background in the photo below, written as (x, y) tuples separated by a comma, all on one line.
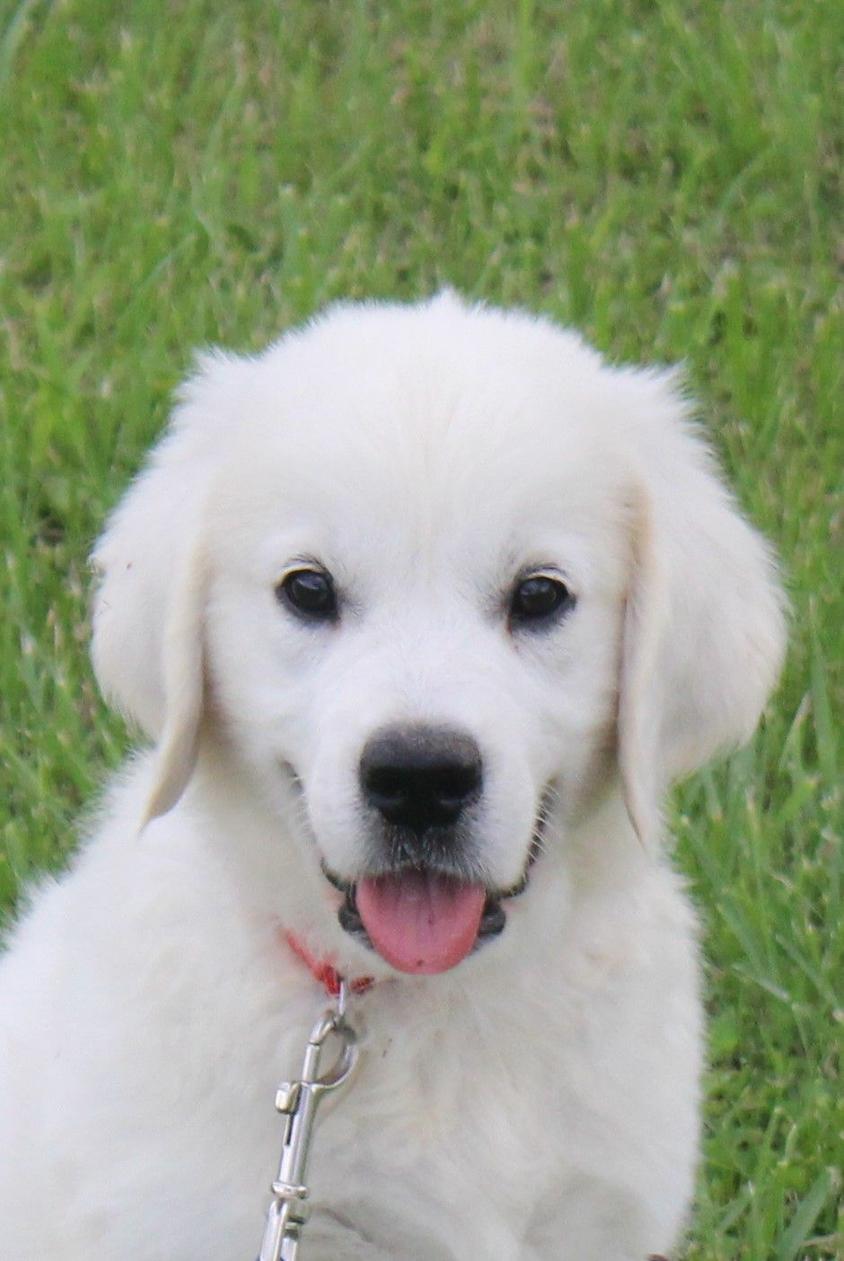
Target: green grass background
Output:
[(666, 176)]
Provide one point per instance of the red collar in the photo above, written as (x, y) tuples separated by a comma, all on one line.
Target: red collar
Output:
[(325, 973)]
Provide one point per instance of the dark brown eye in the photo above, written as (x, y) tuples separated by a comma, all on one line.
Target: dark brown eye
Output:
[(539, 600), (311, 593)]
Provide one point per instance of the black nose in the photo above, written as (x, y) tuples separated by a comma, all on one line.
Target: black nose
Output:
[(420, 777)]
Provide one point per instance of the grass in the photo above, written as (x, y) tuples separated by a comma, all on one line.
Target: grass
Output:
[(665, 175)]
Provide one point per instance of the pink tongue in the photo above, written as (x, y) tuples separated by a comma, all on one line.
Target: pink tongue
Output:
[(420, 922)]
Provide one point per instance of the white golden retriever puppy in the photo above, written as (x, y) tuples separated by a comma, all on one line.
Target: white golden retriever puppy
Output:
[(423, 609)]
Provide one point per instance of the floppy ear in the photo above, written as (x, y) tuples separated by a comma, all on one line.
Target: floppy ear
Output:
[(149, 603), (704, 629), (183, 669)]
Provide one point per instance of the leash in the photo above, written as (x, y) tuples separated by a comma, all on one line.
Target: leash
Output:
[(297, 1101)]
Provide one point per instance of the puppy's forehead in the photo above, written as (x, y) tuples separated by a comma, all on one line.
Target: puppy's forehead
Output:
[(396, 423)]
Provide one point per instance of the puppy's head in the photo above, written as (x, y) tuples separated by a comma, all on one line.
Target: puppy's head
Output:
[(440, 577)]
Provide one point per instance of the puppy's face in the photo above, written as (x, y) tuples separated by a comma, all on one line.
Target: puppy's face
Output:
[(434, 575), (414, 627)]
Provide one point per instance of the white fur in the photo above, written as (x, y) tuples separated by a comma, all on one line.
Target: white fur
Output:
[(538, 1102)]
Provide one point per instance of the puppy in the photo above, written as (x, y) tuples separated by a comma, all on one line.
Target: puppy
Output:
[(422, 611)]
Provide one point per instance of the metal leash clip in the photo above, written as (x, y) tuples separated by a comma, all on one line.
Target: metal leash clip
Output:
[(297, 1102)]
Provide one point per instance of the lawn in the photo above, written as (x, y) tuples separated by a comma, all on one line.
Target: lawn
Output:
[(664, 175)]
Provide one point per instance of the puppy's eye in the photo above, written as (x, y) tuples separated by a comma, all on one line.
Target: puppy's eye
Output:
[(311, 593), (539, 599)]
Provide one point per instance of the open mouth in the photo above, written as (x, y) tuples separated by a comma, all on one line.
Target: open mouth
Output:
[(423, 920)]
